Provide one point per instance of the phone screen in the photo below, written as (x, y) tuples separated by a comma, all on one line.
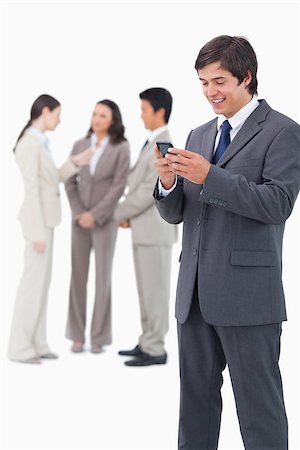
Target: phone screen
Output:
[(163, 147)]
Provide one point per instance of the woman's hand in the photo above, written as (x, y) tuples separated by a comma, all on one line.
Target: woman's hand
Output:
[(86, 220), (82, 158), (39, 246), (125, 224)]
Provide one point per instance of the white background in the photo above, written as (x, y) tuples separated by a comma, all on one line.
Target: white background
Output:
[(81, 53)]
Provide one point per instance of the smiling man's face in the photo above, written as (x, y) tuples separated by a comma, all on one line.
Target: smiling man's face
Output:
[(223, 90)]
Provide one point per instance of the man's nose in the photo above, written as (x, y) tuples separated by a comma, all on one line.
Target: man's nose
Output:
[(211, 90)]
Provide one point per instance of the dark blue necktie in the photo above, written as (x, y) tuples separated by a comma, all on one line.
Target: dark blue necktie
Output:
[(224, 141)]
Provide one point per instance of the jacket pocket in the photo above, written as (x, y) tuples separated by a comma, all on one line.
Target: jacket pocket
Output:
[(253, 258)]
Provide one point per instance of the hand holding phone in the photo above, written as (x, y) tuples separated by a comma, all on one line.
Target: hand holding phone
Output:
[(163, 146)]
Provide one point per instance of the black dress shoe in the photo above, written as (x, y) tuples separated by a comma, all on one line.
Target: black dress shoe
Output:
[(136, 351), (147, 360)]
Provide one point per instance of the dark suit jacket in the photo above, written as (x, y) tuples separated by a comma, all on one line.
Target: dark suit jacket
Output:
[(99, 193), (233, 225)]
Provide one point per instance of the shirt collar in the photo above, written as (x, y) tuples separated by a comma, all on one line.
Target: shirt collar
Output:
[(39, 134), (241, 115), (103, 142), (154, 133)]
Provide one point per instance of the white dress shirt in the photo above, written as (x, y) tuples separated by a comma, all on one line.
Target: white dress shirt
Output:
[(42, 138), (97, 151), (154, 133), (236, 122)]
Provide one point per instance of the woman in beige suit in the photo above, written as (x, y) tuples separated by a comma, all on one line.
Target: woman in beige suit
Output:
[(93, 196), (39, 214)]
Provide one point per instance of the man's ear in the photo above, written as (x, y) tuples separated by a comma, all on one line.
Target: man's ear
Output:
[(161, 112), (248, 78)]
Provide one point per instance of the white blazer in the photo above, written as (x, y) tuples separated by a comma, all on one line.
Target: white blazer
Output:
[(41, 207)]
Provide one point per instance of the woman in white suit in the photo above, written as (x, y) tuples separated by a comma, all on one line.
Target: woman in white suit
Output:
[(39, 214)]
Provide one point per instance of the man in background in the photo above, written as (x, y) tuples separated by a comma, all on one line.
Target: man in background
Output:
[(152, 237)]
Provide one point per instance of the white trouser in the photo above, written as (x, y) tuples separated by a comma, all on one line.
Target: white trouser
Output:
[(28, 330)]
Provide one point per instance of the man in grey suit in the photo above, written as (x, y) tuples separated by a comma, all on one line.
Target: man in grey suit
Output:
[(152, 237), (233, 187)]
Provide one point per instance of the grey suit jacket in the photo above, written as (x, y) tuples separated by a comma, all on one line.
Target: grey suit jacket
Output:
[(138, 207), (234, 223), (99, 193)]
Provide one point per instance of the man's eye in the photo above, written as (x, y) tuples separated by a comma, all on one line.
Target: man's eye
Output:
[(204, 84), (220, 82)]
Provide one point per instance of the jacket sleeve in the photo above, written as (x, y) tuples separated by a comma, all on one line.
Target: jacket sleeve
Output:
[(105, 208), (139, 200), (67, 170), (28, 160), (270, 202), (170, 207), (71, 188)]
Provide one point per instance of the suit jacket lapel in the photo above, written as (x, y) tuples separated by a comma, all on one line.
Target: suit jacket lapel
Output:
[(208, 141), (250, 129), (246, 133), (83, 145), (144, 154), (101, 161)]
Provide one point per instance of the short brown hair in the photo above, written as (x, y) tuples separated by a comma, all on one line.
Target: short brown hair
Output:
[(235, 54)]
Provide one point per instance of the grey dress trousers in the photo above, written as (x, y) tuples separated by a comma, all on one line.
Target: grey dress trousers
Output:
[(97, 193)]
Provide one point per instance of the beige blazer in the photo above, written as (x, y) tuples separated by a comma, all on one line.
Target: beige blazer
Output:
[(41, 207), (139, 208), (99, 193)]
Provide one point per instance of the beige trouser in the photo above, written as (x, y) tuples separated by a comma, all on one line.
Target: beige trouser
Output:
[(28, 330), (102, 240), (153, 269)]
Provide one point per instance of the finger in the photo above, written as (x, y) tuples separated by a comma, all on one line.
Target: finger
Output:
[(183, 174), (179, 168), (166, 170), (181, 152), (179, 159), (161, 164)]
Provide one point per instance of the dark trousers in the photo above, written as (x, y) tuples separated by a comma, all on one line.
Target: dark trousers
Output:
[(252, 354)]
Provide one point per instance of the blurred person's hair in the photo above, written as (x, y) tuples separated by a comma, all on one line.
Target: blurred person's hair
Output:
[(158, 98), (38, 105), (116, 130)]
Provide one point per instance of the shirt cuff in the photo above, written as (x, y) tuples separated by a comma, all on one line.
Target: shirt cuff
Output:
[(165, 192)]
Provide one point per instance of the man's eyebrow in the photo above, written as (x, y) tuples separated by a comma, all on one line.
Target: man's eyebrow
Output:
[(216, 78)]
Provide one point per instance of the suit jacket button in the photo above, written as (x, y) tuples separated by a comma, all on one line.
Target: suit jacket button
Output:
[(211, 200), (220, 203), (195, 252), (198, 222), (225, 204), (216, 201)]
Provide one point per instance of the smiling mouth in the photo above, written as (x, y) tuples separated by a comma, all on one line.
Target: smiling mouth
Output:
[(217, 100)]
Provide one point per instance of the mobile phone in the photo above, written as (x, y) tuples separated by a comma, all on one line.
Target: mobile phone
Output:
[(163, 147)]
